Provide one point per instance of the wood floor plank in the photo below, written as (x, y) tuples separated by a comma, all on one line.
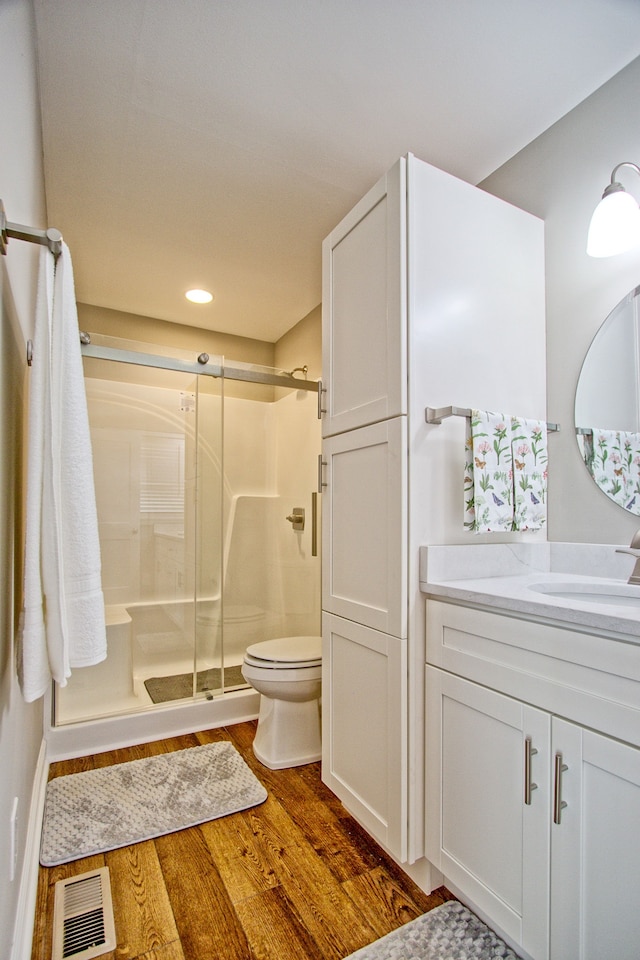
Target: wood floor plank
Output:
[(215, 736), (274, 931), (62, 768), (140, 751), (246, 854), (242, 734), (204, 915), (329, 838), (284, 784), (169, 951), (329, 914), (251, 854), (311, 773), (144, 916), (384, 903)]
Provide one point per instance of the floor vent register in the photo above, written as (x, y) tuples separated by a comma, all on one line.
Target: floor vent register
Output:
[(83, 925)]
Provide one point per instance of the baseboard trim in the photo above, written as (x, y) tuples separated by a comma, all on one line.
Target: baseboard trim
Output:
[(25, 913)]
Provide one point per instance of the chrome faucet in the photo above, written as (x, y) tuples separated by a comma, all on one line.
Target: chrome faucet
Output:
[(634, 551)]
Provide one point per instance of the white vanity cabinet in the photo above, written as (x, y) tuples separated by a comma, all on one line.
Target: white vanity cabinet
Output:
[(530, 813), (433, 290)]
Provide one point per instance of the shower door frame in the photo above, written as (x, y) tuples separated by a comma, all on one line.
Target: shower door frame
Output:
[(204, 367)]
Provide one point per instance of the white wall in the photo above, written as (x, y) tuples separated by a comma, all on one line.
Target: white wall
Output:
[(23, 196), (560, 177)]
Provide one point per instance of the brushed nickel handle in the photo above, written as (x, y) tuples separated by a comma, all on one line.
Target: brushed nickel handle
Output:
[(314, 524), (321, 390), (558, 802), (321, 463), (529, 751)]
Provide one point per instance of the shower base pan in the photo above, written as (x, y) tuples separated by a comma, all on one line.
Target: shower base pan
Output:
[(180, 686)]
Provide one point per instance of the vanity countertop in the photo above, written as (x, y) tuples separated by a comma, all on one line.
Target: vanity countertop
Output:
[(515, 585)]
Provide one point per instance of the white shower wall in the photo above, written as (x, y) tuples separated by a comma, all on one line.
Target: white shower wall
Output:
[(270, 467)]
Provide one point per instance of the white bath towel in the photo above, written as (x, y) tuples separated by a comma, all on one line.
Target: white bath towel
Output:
[(62, 624)]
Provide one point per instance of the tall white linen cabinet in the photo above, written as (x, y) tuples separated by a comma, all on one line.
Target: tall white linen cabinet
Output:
[(433, 295)]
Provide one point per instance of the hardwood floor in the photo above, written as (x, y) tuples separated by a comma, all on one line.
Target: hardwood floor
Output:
[(295, 877)]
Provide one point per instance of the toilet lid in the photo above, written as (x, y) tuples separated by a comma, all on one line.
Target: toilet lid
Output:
[(294, 651)]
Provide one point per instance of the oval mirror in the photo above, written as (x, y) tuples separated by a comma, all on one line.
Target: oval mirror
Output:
[(607, 407)]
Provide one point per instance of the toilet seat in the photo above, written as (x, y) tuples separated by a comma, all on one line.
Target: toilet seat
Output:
[(285, 653)]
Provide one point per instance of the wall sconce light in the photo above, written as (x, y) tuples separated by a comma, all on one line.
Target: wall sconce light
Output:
[(615, 224)]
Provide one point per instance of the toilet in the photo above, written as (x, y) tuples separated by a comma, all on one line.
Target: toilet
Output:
[(287, 673)]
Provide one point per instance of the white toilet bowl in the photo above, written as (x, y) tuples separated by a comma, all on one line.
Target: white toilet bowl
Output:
[(287, 673)]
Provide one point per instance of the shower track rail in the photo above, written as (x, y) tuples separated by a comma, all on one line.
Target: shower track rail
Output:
[(198, 368)]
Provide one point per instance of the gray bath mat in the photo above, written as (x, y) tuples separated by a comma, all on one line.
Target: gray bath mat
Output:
[(99, 810), (449, 932), (180, 686)]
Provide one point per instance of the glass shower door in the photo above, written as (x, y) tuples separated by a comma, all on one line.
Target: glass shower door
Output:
[(270, 574), (144, 430)]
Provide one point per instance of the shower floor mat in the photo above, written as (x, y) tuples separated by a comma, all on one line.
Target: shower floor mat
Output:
[(180, 686), (99, 810)]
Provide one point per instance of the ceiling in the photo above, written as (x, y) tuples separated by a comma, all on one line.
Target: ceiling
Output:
[(214, 143)]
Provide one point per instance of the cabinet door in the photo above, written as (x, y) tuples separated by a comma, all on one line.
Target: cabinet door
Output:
[(595, 849), (364, 309), (364, 520), (481, 831), (364, 727)]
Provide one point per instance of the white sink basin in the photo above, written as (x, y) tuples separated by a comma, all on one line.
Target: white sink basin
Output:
[(616, 594)]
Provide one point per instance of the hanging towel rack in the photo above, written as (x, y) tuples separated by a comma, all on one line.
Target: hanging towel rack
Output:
[(50, 237), (438, 414)]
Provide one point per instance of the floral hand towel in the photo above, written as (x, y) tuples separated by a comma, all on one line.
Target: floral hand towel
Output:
[(505, 476), (614, 461), (488, 475), (529, 448)]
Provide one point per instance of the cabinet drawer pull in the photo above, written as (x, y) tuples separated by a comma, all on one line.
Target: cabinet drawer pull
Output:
[(558, 802), (529, 751)]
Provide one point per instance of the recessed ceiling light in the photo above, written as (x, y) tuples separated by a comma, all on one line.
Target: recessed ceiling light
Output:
[(199, 296)]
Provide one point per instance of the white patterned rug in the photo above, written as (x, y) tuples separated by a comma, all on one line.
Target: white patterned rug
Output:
[(99, 810), (448, 932)]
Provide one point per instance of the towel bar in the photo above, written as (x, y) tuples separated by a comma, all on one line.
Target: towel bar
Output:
[(438, 414), (51, 237)]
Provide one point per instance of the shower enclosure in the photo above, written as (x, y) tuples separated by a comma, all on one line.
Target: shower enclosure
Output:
[(205, 473)]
